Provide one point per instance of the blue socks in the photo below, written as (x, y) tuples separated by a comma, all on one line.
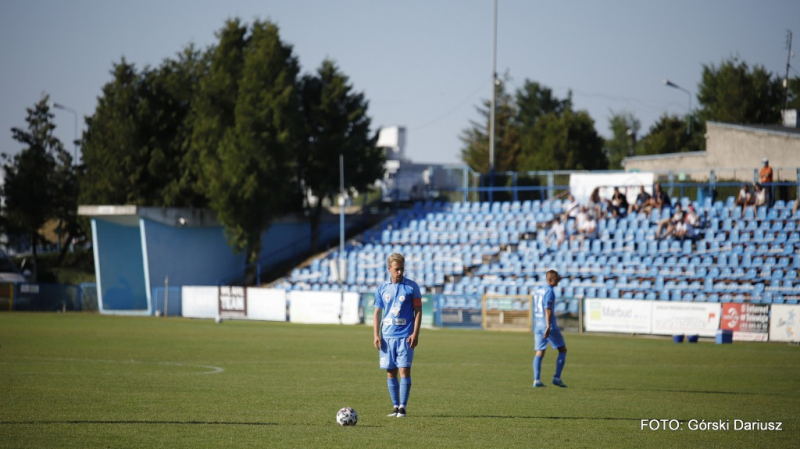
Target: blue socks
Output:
[(560, 360), (537, 367), (405, 390), (394, 391)]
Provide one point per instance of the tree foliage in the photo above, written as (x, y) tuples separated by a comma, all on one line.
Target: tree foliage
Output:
[(35, 187), (734, 93), (138, 136), (476, 151), (624, 127), (669, 135), (535, 131), (247, 179), (334, 122)]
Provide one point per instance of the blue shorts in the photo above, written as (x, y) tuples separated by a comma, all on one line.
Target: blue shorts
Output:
[(555, 338), (396, 353)]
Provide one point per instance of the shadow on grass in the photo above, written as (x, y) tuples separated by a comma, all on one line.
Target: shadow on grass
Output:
[(205, 423), (657, 390), (580, 418)]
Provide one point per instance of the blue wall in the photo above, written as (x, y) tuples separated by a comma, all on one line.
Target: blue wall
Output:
[(119, 267), (285, 241), (189, 256)]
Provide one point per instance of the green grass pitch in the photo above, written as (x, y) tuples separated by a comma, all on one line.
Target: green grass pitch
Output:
[(84, 380)]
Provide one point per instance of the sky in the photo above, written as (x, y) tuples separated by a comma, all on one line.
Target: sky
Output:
[(422, 64)]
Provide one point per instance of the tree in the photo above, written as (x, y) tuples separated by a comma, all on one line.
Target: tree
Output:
[(334, 122), (33, 176), (565, 142), (734, 93), (250, 186), (668, 135), (476, 138), (535, 100), (136, 140), (624, 128)]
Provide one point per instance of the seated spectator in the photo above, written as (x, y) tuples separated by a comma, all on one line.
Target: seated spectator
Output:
[(557, 230), (745, 197), (585, 226), (617, 206), (571, 209), (671, 223), (659, 200), (759, 197), (595, 203), (691, 222), (642, 199)]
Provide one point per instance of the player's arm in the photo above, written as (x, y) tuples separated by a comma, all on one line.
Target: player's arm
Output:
[(376, 328), (414, 338), (549, 299)]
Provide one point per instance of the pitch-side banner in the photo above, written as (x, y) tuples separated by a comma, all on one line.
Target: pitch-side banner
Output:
[(749, 322), (199, 302), (689, 318), (615, 315), (268, 304), (323, 307), (784, 323)]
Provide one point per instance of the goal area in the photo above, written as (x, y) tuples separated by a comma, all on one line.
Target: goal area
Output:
[(507, 312)]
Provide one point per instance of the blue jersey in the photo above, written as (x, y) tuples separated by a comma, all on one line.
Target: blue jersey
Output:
[(397, 302), (543, 298)]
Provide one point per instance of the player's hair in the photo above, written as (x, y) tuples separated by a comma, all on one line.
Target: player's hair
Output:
[(396, 257), (552, 274)]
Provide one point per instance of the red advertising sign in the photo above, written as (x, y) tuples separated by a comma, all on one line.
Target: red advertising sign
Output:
[(749, 322)]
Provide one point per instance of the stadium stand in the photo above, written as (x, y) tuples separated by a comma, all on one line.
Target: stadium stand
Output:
[(465, 250)]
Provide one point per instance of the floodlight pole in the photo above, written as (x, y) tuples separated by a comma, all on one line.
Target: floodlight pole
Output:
[(492, 105), (689, 113)]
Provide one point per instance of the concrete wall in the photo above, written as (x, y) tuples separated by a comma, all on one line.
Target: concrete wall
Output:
[(733, 152)]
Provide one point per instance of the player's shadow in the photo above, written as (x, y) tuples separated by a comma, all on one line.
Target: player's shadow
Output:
[(661, 390)]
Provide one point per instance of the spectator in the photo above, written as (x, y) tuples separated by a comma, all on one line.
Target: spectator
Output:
[(671, 223), (642, 199), (691, 222), (745, 197), (659, 200), (557, 230), (765, 179), (585, 225), (617, 206), (571, 209), (595, 203), (760, 196)]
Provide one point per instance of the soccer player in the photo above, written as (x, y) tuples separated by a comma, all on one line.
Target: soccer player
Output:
[(546, 329), (398, 314)]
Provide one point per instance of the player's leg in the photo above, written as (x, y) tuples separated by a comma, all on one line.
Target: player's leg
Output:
[(405, 357), (539, 345), (557, 341), (389, 363)]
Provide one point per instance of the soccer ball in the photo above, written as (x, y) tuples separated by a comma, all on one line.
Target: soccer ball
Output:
[(218, 319), (347, 417)]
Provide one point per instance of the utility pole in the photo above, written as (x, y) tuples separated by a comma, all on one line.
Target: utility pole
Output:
[(788, 65), (492, 106)]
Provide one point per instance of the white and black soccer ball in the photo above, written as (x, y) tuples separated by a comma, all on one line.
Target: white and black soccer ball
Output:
[(347, 417)]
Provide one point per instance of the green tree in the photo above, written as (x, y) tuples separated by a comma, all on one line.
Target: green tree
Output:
[(565, 142), (624, 128), (475, 152), (668, 135), (136, 140), (334, 122), (250, 185), (735, 93), (535, 100), (214, 107), (32, 177)]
